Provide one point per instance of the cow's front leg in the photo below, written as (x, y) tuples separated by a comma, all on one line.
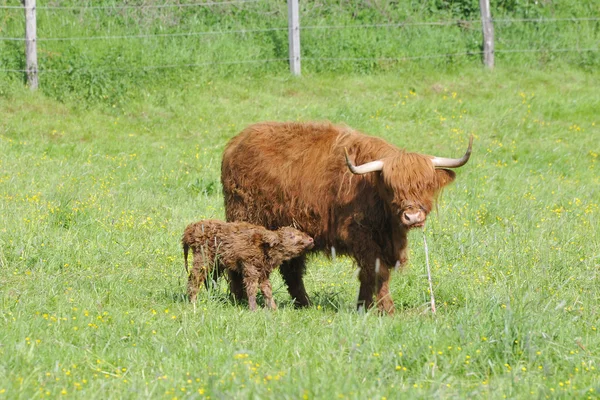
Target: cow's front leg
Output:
[(375, 279), (366, 277), (384, 298), (291, 272), (374, 274), (396, 249)]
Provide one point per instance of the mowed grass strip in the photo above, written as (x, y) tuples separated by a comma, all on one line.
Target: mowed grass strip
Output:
[(93, 203)]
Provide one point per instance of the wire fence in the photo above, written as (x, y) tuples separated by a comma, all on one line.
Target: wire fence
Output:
[(310, 56), (302, 28)]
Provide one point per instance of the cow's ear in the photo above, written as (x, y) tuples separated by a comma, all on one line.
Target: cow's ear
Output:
[(444, 177)]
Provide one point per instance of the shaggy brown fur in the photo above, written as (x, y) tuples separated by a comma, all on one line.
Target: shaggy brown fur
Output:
[(277, 174), (249, 250)]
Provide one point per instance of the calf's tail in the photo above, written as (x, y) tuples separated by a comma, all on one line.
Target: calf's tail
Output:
[(186, 248)]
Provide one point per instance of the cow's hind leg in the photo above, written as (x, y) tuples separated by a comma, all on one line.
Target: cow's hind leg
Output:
[(236, 285), (291, 272)]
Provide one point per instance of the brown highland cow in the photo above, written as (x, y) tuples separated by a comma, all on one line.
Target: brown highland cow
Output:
[(249, 250), (349, 191)]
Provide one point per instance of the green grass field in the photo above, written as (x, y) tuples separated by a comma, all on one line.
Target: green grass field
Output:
[(93, 201)]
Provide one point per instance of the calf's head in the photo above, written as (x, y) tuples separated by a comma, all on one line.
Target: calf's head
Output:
[(409, 182), (294, 241), (284, 243)]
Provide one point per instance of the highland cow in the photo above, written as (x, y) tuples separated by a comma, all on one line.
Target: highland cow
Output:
[(249, 250), (351, 192)]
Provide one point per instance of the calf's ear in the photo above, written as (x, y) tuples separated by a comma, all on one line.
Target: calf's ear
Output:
[(271, 238), (268, 239), (257, 239), (444, 177)]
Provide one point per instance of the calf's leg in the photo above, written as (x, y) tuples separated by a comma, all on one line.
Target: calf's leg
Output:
[(267, 291), (196, 277), (251, 284)]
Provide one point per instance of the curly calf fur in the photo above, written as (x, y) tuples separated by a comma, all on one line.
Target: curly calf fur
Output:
[(250, 250)]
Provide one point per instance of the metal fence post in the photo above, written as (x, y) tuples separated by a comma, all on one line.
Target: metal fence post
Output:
[(488, 33), (294, 36), (30, 44)]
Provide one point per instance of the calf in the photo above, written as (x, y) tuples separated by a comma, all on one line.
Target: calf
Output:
[(250, 250)]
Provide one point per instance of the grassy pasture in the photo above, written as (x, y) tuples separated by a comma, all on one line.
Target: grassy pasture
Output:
[(93, 203)]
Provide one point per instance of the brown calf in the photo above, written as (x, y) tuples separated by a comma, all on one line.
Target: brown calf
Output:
[(250, 250)]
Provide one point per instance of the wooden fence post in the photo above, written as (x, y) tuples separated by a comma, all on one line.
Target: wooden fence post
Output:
[(31, 44), (488, 33), (294, 36)]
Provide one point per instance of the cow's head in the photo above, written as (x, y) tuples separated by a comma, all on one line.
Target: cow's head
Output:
[(409, 182)]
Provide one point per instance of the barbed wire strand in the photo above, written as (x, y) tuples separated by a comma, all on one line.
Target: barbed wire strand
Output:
[(407, 58), (153, 67), (461, 22), (145, 36), (390, 25), (590, 49), (165, 35), (388, 59), (133, 6), (545, 19)]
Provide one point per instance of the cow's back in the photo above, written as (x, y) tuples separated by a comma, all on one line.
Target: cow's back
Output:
[(273, 174)]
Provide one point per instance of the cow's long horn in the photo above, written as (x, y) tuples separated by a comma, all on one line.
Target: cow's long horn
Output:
[(442, 162), (372, 166)]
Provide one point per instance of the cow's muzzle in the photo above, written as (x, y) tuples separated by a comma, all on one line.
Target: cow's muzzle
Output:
[(413, 218)]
